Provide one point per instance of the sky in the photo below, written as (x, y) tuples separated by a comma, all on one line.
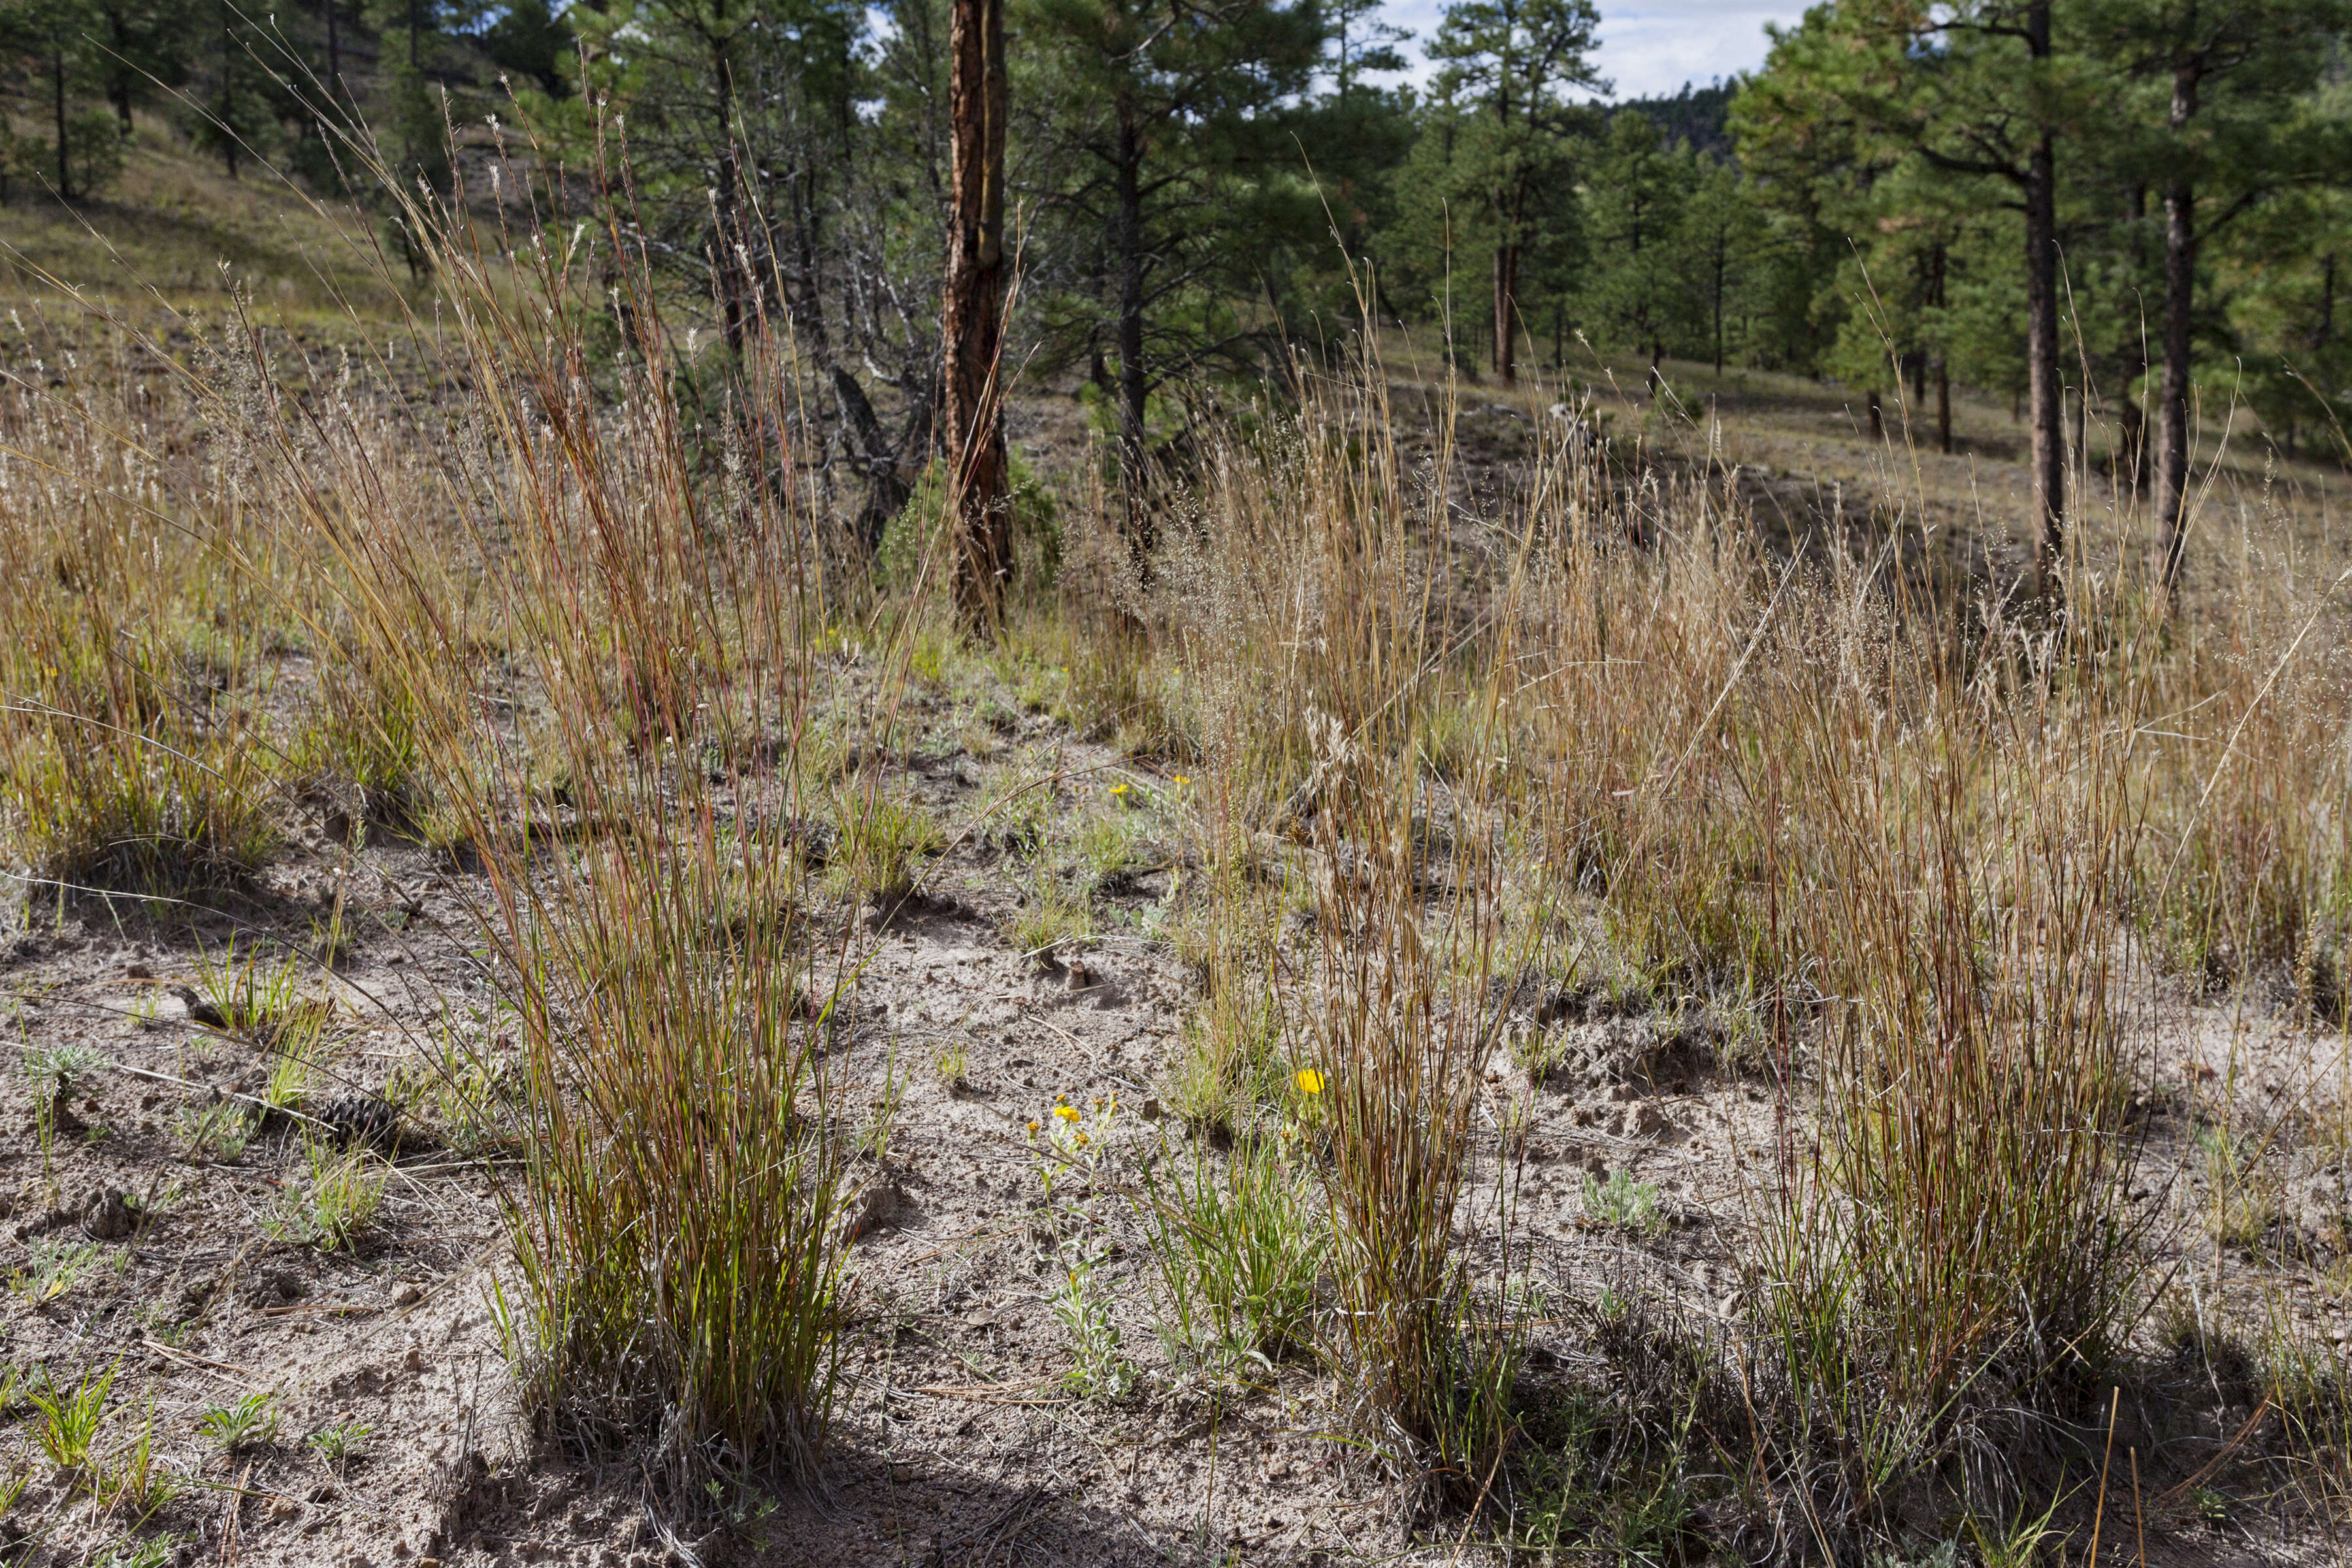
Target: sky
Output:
[(1650, 47)]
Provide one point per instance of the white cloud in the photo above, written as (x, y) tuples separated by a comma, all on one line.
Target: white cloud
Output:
[(1650, 47), (1655, 49)]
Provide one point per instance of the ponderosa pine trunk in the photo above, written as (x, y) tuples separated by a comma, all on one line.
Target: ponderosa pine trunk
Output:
[(971, 325), (57, 81), (2180, 302), (1133, 389), (118, 84), (729, 264), (1506, 337), (2044, 395)]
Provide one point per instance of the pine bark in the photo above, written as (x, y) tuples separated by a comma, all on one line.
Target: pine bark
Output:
[(973, 312), (57, 81), (1506, 305), (1134, 389), (2180, 305), (2044, 393)]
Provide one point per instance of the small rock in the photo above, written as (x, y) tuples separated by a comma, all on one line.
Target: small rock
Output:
[(872, 1209), (408, 1295), (109, 1217), (201, 1009), (276, 1286)]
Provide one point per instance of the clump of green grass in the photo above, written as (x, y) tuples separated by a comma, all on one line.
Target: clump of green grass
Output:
[(259, 993), (358, 757), (53, 1266), (1230, 1060), (134, 1479), (884, 841), (69, 1420), (1104, 844), (132, 815), (677, 1227), (1621, 1203), (1052, 920), (116, 772), (215, 1133), (244, 1423), (1238, 1241), (336, 1200), (1961, 1235)]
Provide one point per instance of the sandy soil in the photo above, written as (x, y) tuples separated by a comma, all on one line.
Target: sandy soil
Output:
[(960, 1439)]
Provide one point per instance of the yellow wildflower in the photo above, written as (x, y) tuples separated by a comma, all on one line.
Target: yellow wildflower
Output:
[(1067, 1112), (1309, 1081)]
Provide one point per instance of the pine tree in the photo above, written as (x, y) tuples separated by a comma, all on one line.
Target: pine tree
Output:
[(1637, 193), (1165, 134), (1973, 95), (2214, 93), (55, 53), (1506, 68)]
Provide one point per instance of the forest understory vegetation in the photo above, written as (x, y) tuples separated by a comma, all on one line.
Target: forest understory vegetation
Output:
[(1994, 950)]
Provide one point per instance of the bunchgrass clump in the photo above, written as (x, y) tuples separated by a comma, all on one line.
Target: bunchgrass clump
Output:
[(1238, 1240), (247, 1421), (677, 1221), (884, 841), (67, 1420), (333, 1202)]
